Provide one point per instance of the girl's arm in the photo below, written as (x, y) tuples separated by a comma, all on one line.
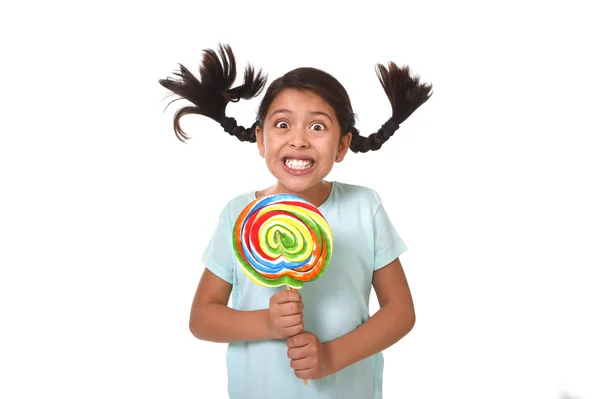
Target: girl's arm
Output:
[(212, 320), (394, 319)]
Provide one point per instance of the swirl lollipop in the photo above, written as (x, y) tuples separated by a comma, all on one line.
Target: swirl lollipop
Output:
[(282, 239)]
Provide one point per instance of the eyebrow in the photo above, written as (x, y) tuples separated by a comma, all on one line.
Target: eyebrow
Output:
[(283, 110)]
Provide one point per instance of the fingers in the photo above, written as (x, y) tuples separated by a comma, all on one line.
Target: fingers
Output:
[(299, 340), (288, 326), (291, 308), (291, 325), (291, 321), (302, 352), (305, 363), (284, 296), (287, 308), (285, 314), (306, 374), (291, 331), (304, 360), (286, 332)]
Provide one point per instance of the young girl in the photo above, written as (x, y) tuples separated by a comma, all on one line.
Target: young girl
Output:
[(277, 337)]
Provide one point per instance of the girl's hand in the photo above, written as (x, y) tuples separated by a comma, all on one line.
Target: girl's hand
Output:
[(285, 314), (309, 357)]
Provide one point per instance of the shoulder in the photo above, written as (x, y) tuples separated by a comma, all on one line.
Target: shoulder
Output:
[(232, 208), (359, 194)]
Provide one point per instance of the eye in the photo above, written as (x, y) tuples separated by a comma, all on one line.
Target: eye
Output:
[(279, 125), (318, 126)]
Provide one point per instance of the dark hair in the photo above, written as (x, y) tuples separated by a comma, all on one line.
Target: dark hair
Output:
[(212, 93)]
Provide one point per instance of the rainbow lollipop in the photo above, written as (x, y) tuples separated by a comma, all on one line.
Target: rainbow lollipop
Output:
[(282, 239)]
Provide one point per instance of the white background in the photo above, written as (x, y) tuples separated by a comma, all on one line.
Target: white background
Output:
[(493, 185)]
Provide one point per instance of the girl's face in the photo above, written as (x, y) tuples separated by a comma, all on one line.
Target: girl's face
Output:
[(301, 139)]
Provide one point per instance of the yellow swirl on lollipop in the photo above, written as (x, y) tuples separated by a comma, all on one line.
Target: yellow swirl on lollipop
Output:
[(282, 239)]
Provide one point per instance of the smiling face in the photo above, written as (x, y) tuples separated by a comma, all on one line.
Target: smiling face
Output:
[(301, 141)]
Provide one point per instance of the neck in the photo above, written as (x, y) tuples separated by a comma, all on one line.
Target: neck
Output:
[(316, 194)]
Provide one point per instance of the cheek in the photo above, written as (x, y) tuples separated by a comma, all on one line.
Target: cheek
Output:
[(272, 158), (269, 141), (334, 146), (274, 144)]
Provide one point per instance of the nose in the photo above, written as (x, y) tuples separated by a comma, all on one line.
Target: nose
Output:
[(299, 138)]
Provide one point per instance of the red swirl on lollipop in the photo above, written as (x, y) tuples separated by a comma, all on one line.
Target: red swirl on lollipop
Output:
[(282, 239)]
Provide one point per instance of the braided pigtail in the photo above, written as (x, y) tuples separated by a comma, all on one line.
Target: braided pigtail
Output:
[(405, 93), (211, 94)]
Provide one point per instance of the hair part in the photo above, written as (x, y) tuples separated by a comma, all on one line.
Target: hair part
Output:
[(213, 92)]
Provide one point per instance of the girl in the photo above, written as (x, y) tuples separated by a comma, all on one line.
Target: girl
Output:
[(305, 124)]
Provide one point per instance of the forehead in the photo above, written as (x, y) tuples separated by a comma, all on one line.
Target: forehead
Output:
[(300, 101)]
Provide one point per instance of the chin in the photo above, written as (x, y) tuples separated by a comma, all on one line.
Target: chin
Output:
[(297, 184), (296, 187)]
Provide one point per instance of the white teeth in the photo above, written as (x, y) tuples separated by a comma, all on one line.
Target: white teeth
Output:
[(298, 164)]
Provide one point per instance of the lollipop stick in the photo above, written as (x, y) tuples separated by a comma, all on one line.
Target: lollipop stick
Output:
[(291, 289)]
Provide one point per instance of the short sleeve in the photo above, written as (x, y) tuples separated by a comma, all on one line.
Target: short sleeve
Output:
[(218, 255), (387, 241)]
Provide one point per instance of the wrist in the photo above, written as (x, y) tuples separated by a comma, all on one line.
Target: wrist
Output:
[(334, 357), (265, 324)]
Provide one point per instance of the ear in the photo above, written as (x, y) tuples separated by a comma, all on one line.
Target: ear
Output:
[(344, 146), (260, 141)]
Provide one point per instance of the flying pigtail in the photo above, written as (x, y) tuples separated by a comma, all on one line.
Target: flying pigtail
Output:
[(212, 92), (405, 93)]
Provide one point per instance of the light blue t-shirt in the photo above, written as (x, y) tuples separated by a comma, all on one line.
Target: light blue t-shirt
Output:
[(364, 240)]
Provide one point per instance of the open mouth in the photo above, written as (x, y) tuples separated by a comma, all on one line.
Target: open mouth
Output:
[(298, 165)]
